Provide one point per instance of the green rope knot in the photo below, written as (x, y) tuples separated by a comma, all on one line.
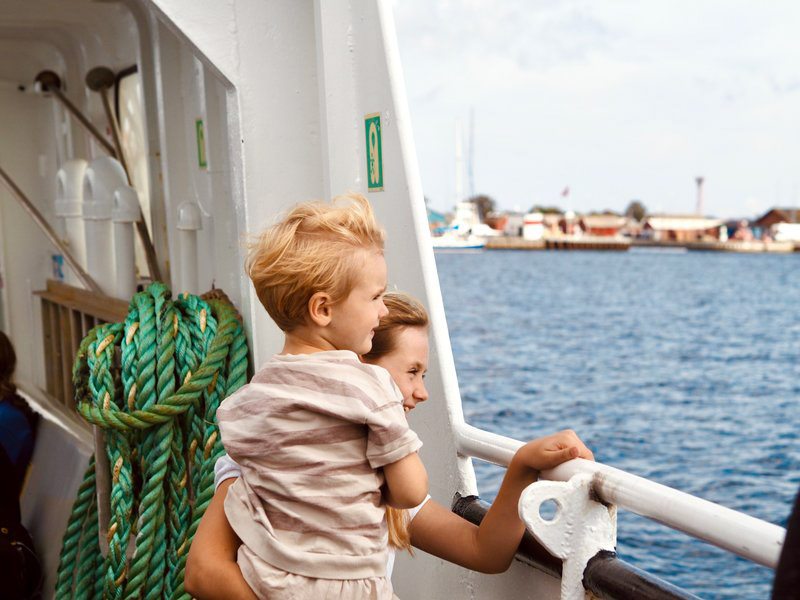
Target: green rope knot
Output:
[(153, 384)]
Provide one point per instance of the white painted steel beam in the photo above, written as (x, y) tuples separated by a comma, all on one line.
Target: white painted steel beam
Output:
[(736, 532)]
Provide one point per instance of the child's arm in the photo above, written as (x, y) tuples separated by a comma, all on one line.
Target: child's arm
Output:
[(406, 482), (490, 547), (211, 569)]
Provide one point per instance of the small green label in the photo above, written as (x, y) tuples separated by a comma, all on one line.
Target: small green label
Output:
[(201, 143), (372, 126)]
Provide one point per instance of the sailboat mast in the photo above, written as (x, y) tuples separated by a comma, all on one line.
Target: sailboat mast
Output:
[(471, 157), (459, 165)]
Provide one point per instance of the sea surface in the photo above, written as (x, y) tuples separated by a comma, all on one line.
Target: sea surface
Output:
[(680, 367)]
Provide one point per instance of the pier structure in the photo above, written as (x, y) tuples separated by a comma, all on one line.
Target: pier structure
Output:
[(559, 243)]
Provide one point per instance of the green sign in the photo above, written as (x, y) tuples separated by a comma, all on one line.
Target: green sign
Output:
[(201, 144), (372, 126)]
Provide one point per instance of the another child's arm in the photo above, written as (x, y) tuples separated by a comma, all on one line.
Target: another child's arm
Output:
[(211, 569), (406, 482), (393, 446), (490, 547)]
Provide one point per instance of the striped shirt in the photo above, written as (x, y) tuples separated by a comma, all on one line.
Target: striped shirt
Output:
[(310, 433)]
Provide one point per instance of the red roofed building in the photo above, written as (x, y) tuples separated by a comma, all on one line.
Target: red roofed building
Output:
[(603, 225)]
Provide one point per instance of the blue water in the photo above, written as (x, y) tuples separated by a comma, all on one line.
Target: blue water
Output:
[(679, 367)]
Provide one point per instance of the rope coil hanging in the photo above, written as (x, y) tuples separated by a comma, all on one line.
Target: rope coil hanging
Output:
[(153, 384)]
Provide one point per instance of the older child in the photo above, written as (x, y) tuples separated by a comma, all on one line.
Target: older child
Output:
[(317, 433), (17, 421), (400, 345), (20, 571)]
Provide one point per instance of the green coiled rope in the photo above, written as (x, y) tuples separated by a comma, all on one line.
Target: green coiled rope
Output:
[(153, 384)]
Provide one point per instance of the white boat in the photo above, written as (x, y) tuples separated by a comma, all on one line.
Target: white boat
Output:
[(452, 240), (230, 113), (465, 231)]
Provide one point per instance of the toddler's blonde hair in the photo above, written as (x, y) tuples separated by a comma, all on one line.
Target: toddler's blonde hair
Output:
[(314, 248)]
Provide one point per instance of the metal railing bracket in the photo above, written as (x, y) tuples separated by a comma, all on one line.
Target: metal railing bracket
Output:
[(577, 530)]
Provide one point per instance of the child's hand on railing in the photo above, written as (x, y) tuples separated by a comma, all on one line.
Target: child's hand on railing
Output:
[(552, 450)]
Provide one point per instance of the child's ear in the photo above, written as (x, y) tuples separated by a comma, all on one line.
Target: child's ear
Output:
[(320, 309)]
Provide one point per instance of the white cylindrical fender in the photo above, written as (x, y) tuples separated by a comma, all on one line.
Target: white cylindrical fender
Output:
[(102, 178), (189, 223), (69, 198), (124, 214)]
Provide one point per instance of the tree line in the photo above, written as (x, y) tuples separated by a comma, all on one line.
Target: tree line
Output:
[(486, 206)]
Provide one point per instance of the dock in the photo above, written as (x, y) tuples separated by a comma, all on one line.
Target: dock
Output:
[(561, 243), (749, 247), (754, 246), (600, 243)]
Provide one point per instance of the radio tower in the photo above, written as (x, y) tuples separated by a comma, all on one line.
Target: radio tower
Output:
[(699, 208)]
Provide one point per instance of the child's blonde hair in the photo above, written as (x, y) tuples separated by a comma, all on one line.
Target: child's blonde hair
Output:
[(312, 249), (397, 522), (404, 311)]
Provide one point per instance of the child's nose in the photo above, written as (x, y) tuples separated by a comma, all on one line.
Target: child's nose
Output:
[(421, 393)]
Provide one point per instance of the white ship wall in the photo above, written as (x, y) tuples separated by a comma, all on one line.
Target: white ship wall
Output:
[(28, 153), (300, 135), (282, 87)]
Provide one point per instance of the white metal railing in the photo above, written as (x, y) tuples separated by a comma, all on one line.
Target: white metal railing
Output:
[(741, 534)]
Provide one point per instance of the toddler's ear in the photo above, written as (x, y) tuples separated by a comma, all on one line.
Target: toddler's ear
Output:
[(319, 309)]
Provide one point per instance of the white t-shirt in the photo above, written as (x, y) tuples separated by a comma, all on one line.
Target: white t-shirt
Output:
[(226, 468)]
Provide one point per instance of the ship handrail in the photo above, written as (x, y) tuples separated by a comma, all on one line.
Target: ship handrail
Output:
[(605, 576), (741, 534)]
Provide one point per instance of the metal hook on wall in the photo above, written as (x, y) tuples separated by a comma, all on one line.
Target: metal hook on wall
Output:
[(49, 82), (101, 79)]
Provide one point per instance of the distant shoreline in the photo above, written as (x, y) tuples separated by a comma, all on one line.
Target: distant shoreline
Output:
[(623, 244)]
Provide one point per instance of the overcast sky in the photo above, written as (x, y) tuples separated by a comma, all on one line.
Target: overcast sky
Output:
[(617, 100)]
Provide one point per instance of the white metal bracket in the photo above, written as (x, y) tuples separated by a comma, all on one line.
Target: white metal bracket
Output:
[(579, 528)]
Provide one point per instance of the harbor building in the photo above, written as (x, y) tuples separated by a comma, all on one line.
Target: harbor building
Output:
[(780, 224), (603, 225), (684, 228)]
